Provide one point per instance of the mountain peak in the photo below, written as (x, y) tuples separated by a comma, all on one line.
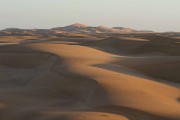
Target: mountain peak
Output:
[(78, 25), (103, 27)]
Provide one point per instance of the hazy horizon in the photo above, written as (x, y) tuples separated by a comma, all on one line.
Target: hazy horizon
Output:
[(156, 15)]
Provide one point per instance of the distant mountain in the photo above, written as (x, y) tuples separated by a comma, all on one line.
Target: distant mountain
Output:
[(74, 28), (26, 32), (80, 28)]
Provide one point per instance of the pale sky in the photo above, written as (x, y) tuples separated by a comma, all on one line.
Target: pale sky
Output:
[(157, 15)]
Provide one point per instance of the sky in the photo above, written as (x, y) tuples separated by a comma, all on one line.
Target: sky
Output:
[(157, 15)]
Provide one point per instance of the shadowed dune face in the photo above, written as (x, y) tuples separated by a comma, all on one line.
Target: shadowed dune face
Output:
[(163, 67), (42, 69), (159, 49), (25, 60), (46, 81), (49, 81), (137, 46), (178, 99), (116, 45)]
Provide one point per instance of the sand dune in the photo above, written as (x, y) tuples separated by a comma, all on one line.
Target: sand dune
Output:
[(109, 79), (134, 46)]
